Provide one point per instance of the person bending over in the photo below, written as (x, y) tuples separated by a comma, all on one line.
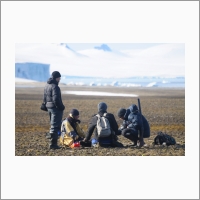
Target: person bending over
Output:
[(131, 126)]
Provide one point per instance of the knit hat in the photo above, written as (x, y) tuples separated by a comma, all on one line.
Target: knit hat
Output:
[(121, 112), (74, 112), (102, 106), (55, 74)]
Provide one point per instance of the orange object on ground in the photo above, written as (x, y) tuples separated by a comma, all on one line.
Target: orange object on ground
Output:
[(75, 144)]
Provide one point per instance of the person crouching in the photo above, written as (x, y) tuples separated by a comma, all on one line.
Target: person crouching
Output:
[(71, 131), (132, 124)]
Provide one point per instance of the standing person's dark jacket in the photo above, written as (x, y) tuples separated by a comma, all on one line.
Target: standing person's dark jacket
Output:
[(53, 95), (55, 107)]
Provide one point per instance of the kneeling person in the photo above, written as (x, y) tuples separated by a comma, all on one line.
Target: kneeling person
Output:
[(71, 132), (132, 125), (104, 126)]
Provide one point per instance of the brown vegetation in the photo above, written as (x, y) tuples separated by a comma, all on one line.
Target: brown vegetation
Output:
[(163, 108)]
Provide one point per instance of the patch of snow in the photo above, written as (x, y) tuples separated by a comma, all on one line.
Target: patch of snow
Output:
[(93, 93)]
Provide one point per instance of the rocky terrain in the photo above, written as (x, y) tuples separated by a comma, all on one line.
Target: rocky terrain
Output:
[(163, 108)]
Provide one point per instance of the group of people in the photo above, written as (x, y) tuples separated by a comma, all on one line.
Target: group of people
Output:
[(134, 126)]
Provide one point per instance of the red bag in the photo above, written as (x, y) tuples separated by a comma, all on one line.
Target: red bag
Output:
[(75, 144)]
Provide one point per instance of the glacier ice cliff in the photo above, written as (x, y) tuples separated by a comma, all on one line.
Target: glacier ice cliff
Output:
[(33, 71)]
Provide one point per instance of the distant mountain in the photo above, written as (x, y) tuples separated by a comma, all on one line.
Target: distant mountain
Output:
[(106, 48), (66, 46), (103, 47)]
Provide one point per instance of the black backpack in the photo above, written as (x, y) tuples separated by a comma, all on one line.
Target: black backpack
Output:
[(164, 138)]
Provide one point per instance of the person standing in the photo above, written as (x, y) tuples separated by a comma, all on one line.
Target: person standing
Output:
[(55, 107)]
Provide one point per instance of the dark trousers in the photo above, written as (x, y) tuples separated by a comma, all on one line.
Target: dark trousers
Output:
[(55, 116), (108, 141), (103, 138), (131, 134)]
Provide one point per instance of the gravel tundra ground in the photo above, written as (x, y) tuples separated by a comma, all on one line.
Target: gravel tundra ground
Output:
[(164, 109)]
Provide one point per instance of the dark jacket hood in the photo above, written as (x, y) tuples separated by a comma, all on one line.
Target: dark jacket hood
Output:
[(51, 80), (72, 120), (132, 108)]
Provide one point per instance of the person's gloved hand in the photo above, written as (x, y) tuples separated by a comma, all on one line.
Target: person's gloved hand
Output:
[(85, 140), (81, 138), (85, 143), (78, 121), (73, 135), (130, 126), (121, 127)]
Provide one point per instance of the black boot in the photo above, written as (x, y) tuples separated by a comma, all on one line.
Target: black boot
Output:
[(116, 144), (141, 140), (53, 144), (134, 142)]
